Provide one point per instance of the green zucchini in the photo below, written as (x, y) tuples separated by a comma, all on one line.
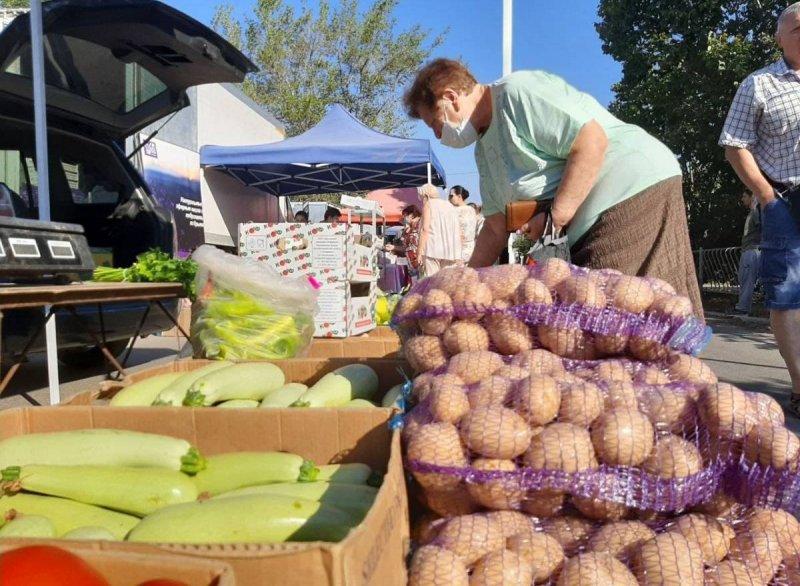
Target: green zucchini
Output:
[(100, 447), (249, 380), (138, 491), (67, 515), (393, 399), (29, 526), (354, 381), (350, 473), (359, 404), (142, 393), (226, 472), (355, 499), (238, 404), (176, 392), (284, 396), (90, 534), (262, 518)]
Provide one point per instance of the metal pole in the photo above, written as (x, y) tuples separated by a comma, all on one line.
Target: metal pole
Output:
[(429, 172), (508, 19), (43, 172)]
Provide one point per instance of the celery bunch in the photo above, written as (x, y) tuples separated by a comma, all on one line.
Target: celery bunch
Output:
[(153, 266)]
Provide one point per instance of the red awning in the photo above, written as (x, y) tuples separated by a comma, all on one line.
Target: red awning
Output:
[(394, 200)]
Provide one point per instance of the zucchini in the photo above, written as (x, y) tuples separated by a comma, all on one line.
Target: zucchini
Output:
[(29, 526), (351, 473), (142, 393), (355, 499), (359, 404), (238, 404), (354, 381), (67, 515), (393, 399), (176, 392), (284, 396), (265, 518), (100, 447), (249, 380), (90, 534), (138, 491), (226, 472)]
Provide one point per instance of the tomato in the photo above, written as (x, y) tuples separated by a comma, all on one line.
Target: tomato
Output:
[(162, 582), (46, 565)]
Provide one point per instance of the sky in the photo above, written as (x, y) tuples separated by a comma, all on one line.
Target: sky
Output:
[(558, 37)]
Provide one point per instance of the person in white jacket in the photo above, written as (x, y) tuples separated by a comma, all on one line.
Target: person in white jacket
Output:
[(467, 220), (440, 235)]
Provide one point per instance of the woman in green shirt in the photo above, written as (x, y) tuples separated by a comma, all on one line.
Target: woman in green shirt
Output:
[(615, 189)]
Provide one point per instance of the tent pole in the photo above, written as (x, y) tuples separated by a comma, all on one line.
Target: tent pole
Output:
[(429, 172)]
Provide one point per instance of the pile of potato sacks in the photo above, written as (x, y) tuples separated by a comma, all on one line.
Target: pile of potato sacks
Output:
[(540, 463)]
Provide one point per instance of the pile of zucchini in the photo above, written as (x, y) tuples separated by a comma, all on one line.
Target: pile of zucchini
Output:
[(114, 484), (254, 384)]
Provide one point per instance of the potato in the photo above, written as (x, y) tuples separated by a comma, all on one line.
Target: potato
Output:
[(613, 370), (706, 533), (571, 532), (494, 390), (426, 527), (660, 286), (422, 385), (621, 539), (651, 375), (508, 334), (437, 302), (438, 444), (668, 409), (503, 280), (533, 291), (595, 569), (719, 505), (543, 503), (542, 552), (610, 344), (472, 303), (673, 306), (730, 573), (512, 372), (669, 559), (760, 552), (454, 279), (673, 457), (539, 361), (620, 394), (716, 449), (473, 367), (566, 342), (647, 349), (683, 367), (781, 525), (425, 353), (597, 508), (407, 306), (501, 568), (471, 537), (764, 409), (552, 272), (464, 336), (447, 401), (581, 289), (723, 409), (451, 502), (580, 404), (537, 399), (436, 566), (512, 523), (500, 494), (792, 571), (412, 422), (495, 432), (622, 437), (632, 294), (776, 447), (561, 446)]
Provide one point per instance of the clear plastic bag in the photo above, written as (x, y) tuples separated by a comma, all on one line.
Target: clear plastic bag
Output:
[(245, 310)]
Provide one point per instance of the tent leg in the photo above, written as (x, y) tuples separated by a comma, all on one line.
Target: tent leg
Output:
[(429, 172)]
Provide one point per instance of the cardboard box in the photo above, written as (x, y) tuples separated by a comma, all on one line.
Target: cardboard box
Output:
[(373, 553), (345, 309), (364, 346), (328, 252), (120, 568), (184, 318), (297, 370)]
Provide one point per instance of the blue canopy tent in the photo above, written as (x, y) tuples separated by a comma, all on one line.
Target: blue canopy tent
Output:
[(338, 154)]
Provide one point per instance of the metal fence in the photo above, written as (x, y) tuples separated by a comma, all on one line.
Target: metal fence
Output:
[(717, 269)]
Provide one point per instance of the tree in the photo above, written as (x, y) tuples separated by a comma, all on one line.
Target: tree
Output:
[(682, 62), (314, 57), (15, 3)]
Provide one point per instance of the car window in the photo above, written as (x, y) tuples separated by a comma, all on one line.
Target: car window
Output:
[(18, 184), (89, 184), (90, 71)]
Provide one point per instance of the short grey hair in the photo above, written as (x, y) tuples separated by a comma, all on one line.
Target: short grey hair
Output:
[(791, 10)]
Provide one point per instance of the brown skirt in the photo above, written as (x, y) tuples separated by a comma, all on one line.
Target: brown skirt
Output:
[(646, 235)]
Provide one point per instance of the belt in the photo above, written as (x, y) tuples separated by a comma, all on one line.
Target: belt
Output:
[(781, 188)]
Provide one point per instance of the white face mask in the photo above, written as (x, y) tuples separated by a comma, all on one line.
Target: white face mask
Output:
[(459, 136)]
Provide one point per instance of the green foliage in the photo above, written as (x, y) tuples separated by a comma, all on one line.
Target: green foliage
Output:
[(682, 63), (153, 266), (521, 245), (15, 3), (314, 57)]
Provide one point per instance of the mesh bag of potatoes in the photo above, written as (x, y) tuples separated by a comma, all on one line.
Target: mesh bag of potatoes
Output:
[(536, 433), (743, 547), (576, 313)]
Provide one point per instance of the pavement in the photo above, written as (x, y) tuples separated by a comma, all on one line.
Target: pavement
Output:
[(742, 352)]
